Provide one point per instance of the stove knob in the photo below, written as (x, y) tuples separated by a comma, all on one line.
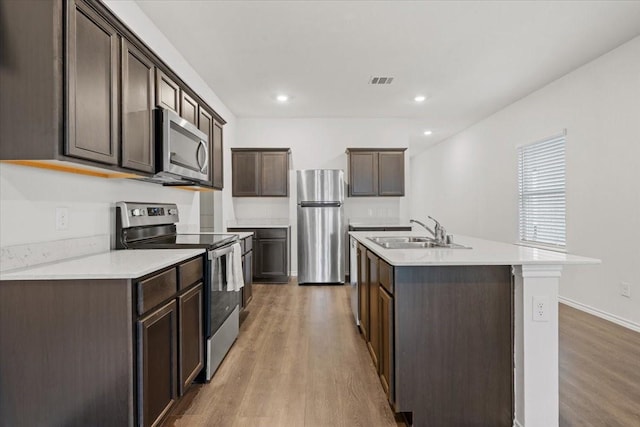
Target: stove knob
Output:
[(136, 212)]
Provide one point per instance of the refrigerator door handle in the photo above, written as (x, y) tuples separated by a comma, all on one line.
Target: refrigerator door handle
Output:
[(320, 204)]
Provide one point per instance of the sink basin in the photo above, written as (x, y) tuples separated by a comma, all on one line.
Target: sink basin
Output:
[(403, 239), (413, 243)]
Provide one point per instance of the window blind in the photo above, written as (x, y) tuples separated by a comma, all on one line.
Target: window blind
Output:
[(541, 185)]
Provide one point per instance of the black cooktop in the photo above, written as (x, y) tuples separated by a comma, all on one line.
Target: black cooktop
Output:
[(177, 241)]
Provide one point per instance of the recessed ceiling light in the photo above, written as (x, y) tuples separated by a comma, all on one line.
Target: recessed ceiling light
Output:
[(282, 98), (420, 98), (428, 132)]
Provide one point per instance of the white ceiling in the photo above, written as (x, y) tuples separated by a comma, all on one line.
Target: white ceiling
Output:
[(470, 58)]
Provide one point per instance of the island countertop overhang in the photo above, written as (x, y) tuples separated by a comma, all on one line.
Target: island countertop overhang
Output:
[(482, 252)]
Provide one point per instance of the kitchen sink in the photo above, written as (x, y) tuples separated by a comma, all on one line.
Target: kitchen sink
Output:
[(413, 242), (402, 239)]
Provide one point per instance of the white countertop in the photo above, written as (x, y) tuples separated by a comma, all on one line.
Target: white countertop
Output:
[(259, 223), (122, 264), (482, 252), (241, 234)]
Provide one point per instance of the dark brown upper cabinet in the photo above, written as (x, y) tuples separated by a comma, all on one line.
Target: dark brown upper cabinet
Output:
[(245, 177), (137, 109), (217, 159), (189, 108), (92, 78), (376, 172), (260, 172), (88, 86), (167, 92), (213, 129)]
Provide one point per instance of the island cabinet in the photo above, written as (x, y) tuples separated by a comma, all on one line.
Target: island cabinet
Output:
[(363, 291), (441, 339), (260, 172), (122, 350), (375, 172), (90, 86)]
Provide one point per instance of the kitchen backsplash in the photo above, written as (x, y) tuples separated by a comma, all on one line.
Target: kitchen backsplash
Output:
[(30, 254)]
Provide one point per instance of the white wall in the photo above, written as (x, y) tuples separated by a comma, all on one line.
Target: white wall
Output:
[(473, 175), (28, 196), (318, 143)]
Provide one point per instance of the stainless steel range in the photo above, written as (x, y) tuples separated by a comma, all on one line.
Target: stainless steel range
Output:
[(153, 226)]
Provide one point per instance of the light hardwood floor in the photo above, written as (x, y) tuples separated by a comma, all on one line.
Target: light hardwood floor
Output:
[(599, 372), (300, 361)]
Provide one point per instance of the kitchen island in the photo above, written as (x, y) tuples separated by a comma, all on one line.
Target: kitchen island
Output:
[(463, 336)]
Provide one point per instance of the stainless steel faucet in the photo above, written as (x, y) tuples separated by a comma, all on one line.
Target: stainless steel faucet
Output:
[(439, 233)]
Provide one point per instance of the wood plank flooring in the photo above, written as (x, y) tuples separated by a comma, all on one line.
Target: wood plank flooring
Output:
[(300, 361), (599, 372)]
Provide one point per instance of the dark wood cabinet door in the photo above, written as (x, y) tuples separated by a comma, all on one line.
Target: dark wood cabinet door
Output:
[(188, 108), (386, 342), (274, 174), (363, 292), (190, 336), (391, 173), (247, 274), (167, 92), (92, 79), (217, 159), (205, 124), (137, 110), (374, 308), (157, 363), (272, 261), (245, 173), (363, 173)]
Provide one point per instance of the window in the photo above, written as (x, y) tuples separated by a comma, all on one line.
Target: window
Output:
[(541, 185)]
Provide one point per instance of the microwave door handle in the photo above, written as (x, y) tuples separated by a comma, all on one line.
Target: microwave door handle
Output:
[(203, 145)]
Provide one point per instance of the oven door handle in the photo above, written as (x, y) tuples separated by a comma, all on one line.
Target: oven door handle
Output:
[(220, 252)]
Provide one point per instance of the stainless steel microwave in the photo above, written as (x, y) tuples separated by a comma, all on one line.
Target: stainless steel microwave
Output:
[(183, 149)]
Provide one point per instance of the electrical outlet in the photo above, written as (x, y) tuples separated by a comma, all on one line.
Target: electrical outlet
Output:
[(541, 308), (62, 218), (625, 289)]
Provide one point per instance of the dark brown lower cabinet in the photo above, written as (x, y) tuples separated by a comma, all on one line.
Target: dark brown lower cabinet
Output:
[(386, 342), (363, 292), (270, 253), (158, 360), (374, 309), (247, 273), (441, 339), (272, 259), (191, 344)]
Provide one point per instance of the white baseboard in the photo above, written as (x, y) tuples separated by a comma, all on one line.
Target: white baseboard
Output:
[(602, 314)]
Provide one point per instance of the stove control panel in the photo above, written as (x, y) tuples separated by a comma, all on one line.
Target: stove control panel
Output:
[(134, 214)]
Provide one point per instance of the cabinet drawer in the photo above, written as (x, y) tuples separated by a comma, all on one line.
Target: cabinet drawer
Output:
[(272, 233), (386, 276), (156, 289), (190, 272)]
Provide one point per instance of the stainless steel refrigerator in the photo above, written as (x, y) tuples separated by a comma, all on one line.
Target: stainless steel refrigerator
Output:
[(320, 226)]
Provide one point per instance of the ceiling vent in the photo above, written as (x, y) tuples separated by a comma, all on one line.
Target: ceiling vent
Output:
[(380, 80)]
